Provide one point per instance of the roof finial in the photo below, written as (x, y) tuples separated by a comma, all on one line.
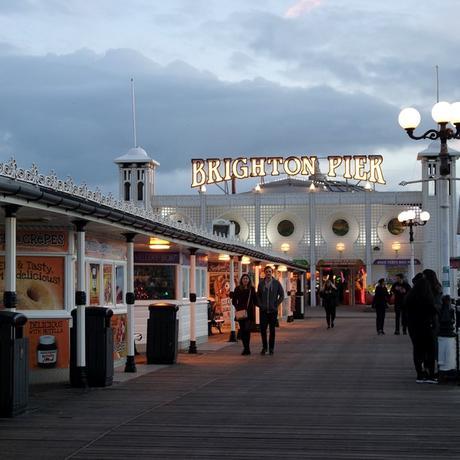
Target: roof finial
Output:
[(134, 112)]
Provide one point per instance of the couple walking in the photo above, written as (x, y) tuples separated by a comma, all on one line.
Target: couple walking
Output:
[(269, 295)]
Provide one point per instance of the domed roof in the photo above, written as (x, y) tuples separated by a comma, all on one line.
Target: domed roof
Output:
[(135, 155), (295, 185)]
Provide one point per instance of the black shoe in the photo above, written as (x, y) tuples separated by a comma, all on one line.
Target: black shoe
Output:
[(404, 332), (263, 351), (383, 333), (245, 352), (332, 324), (328, 327), (271, 352), (396, 332)]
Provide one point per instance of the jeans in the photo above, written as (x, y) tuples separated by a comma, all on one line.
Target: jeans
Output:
[(400, 318), (424, 342), (268, 319), (330, 314)]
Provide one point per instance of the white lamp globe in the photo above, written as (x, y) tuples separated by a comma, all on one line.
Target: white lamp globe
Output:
[(441, 112), (409, 118), (402, 216), (424, 216), (455, 113)]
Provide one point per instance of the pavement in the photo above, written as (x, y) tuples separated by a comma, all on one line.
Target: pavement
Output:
[(342, 393)]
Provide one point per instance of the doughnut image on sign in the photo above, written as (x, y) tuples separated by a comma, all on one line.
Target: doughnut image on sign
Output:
[(35, 295), (39, 282)]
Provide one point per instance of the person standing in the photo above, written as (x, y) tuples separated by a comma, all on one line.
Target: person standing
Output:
[(244, 300), (270, 294), (399, 290), (380, 304), (329, 298), (421, 319)]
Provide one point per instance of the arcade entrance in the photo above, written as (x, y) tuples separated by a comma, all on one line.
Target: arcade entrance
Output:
[(349, 277)]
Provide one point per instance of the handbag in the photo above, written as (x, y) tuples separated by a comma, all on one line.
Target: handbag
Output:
[(243, 314)]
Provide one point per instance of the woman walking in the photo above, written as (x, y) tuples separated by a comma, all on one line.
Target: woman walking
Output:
[(244, 301), (381, 297), (329, 296)]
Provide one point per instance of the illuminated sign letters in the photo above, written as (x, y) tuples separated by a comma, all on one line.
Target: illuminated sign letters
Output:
[(358, 167)]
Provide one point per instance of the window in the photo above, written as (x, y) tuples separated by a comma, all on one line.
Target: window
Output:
[(154, 282), (395, 227), (94, 284), (340, 227), (108, 284), (127, 191), (286, 228), (120, 284), (140, 191), (185, 282)]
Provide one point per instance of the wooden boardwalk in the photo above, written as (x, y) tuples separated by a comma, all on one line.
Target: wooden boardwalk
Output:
[(344, 393)]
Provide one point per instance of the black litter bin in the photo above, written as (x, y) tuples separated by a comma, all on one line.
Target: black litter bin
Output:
[(99, 347), (14, 364), (162, 334)]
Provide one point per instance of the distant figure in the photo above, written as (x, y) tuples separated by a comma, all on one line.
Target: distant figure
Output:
[(270, 294), (399, 290), (329, 300), (421, 319), (244, 300), (381, 297)]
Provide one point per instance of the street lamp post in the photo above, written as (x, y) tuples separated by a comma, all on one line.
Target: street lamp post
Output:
[(411, 219), (443, 113)]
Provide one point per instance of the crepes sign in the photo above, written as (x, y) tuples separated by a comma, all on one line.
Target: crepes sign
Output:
[(357, 167)]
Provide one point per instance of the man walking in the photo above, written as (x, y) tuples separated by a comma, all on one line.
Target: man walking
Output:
[(269, 294), (399, 289)]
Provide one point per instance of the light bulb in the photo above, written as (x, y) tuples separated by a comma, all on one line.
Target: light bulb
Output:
[(409, 118), (441, 112)]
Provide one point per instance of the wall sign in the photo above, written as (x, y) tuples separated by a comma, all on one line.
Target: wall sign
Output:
[(358, 167)]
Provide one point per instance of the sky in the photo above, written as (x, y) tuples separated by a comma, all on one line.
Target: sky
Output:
[(218, 79)]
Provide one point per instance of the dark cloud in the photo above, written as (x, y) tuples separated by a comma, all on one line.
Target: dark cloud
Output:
[(72, 113)]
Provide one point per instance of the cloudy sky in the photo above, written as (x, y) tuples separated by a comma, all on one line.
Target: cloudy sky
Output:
[(215, 79)]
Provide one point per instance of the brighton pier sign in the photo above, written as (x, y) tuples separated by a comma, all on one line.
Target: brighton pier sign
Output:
[(357, 167)]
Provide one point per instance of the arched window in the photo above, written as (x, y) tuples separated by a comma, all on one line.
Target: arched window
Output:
[(140, 191), (127, 191)]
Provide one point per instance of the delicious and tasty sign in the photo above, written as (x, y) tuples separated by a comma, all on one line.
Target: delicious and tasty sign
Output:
[(357, 167)]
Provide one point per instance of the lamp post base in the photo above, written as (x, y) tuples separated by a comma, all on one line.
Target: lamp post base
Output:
[(192, 348), (130, 365), (232, 337)]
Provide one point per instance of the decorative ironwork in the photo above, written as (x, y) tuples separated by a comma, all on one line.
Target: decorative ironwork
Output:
[(51, 181)]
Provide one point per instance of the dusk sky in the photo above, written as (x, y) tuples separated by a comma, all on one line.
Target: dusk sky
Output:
[(215, 79)]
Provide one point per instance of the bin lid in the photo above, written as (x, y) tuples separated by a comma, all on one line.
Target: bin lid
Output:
[(103, 312), (12, 318), (163, 305)]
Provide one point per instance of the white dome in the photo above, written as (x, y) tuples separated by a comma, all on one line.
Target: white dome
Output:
[(135, 155)]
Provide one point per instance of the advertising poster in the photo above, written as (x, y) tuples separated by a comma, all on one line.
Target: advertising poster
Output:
[(94, 284), (219, 289), (49, 343), (39, 241), (120, 345), (108, 288), (102, 248), (39, 282)]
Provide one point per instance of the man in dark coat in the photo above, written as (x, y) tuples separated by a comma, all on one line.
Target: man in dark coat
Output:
[(399, 290), (270, 294)]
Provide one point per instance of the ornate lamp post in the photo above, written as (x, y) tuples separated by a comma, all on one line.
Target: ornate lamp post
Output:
[(413, 219), (443, 113)]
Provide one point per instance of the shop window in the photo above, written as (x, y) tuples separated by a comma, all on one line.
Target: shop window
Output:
[(140, 191), (108, 284), (94, 284), (154, 282), (286, 228), (185, 282), (340, 227), (395, 227), (120, 284), (127, 191)]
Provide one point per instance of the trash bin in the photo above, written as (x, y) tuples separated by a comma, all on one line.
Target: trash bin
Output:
[(99, 347), (162, 334), (14, 364)]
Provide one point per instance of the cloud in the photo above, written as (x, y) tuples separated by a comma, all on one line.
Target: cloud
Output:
[(301, 7), (72, 113)]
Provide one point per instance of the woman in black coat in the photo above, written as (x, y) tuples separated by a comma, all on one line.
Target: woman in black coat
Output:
[(244, 301), (381, 297), (329, 296)]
